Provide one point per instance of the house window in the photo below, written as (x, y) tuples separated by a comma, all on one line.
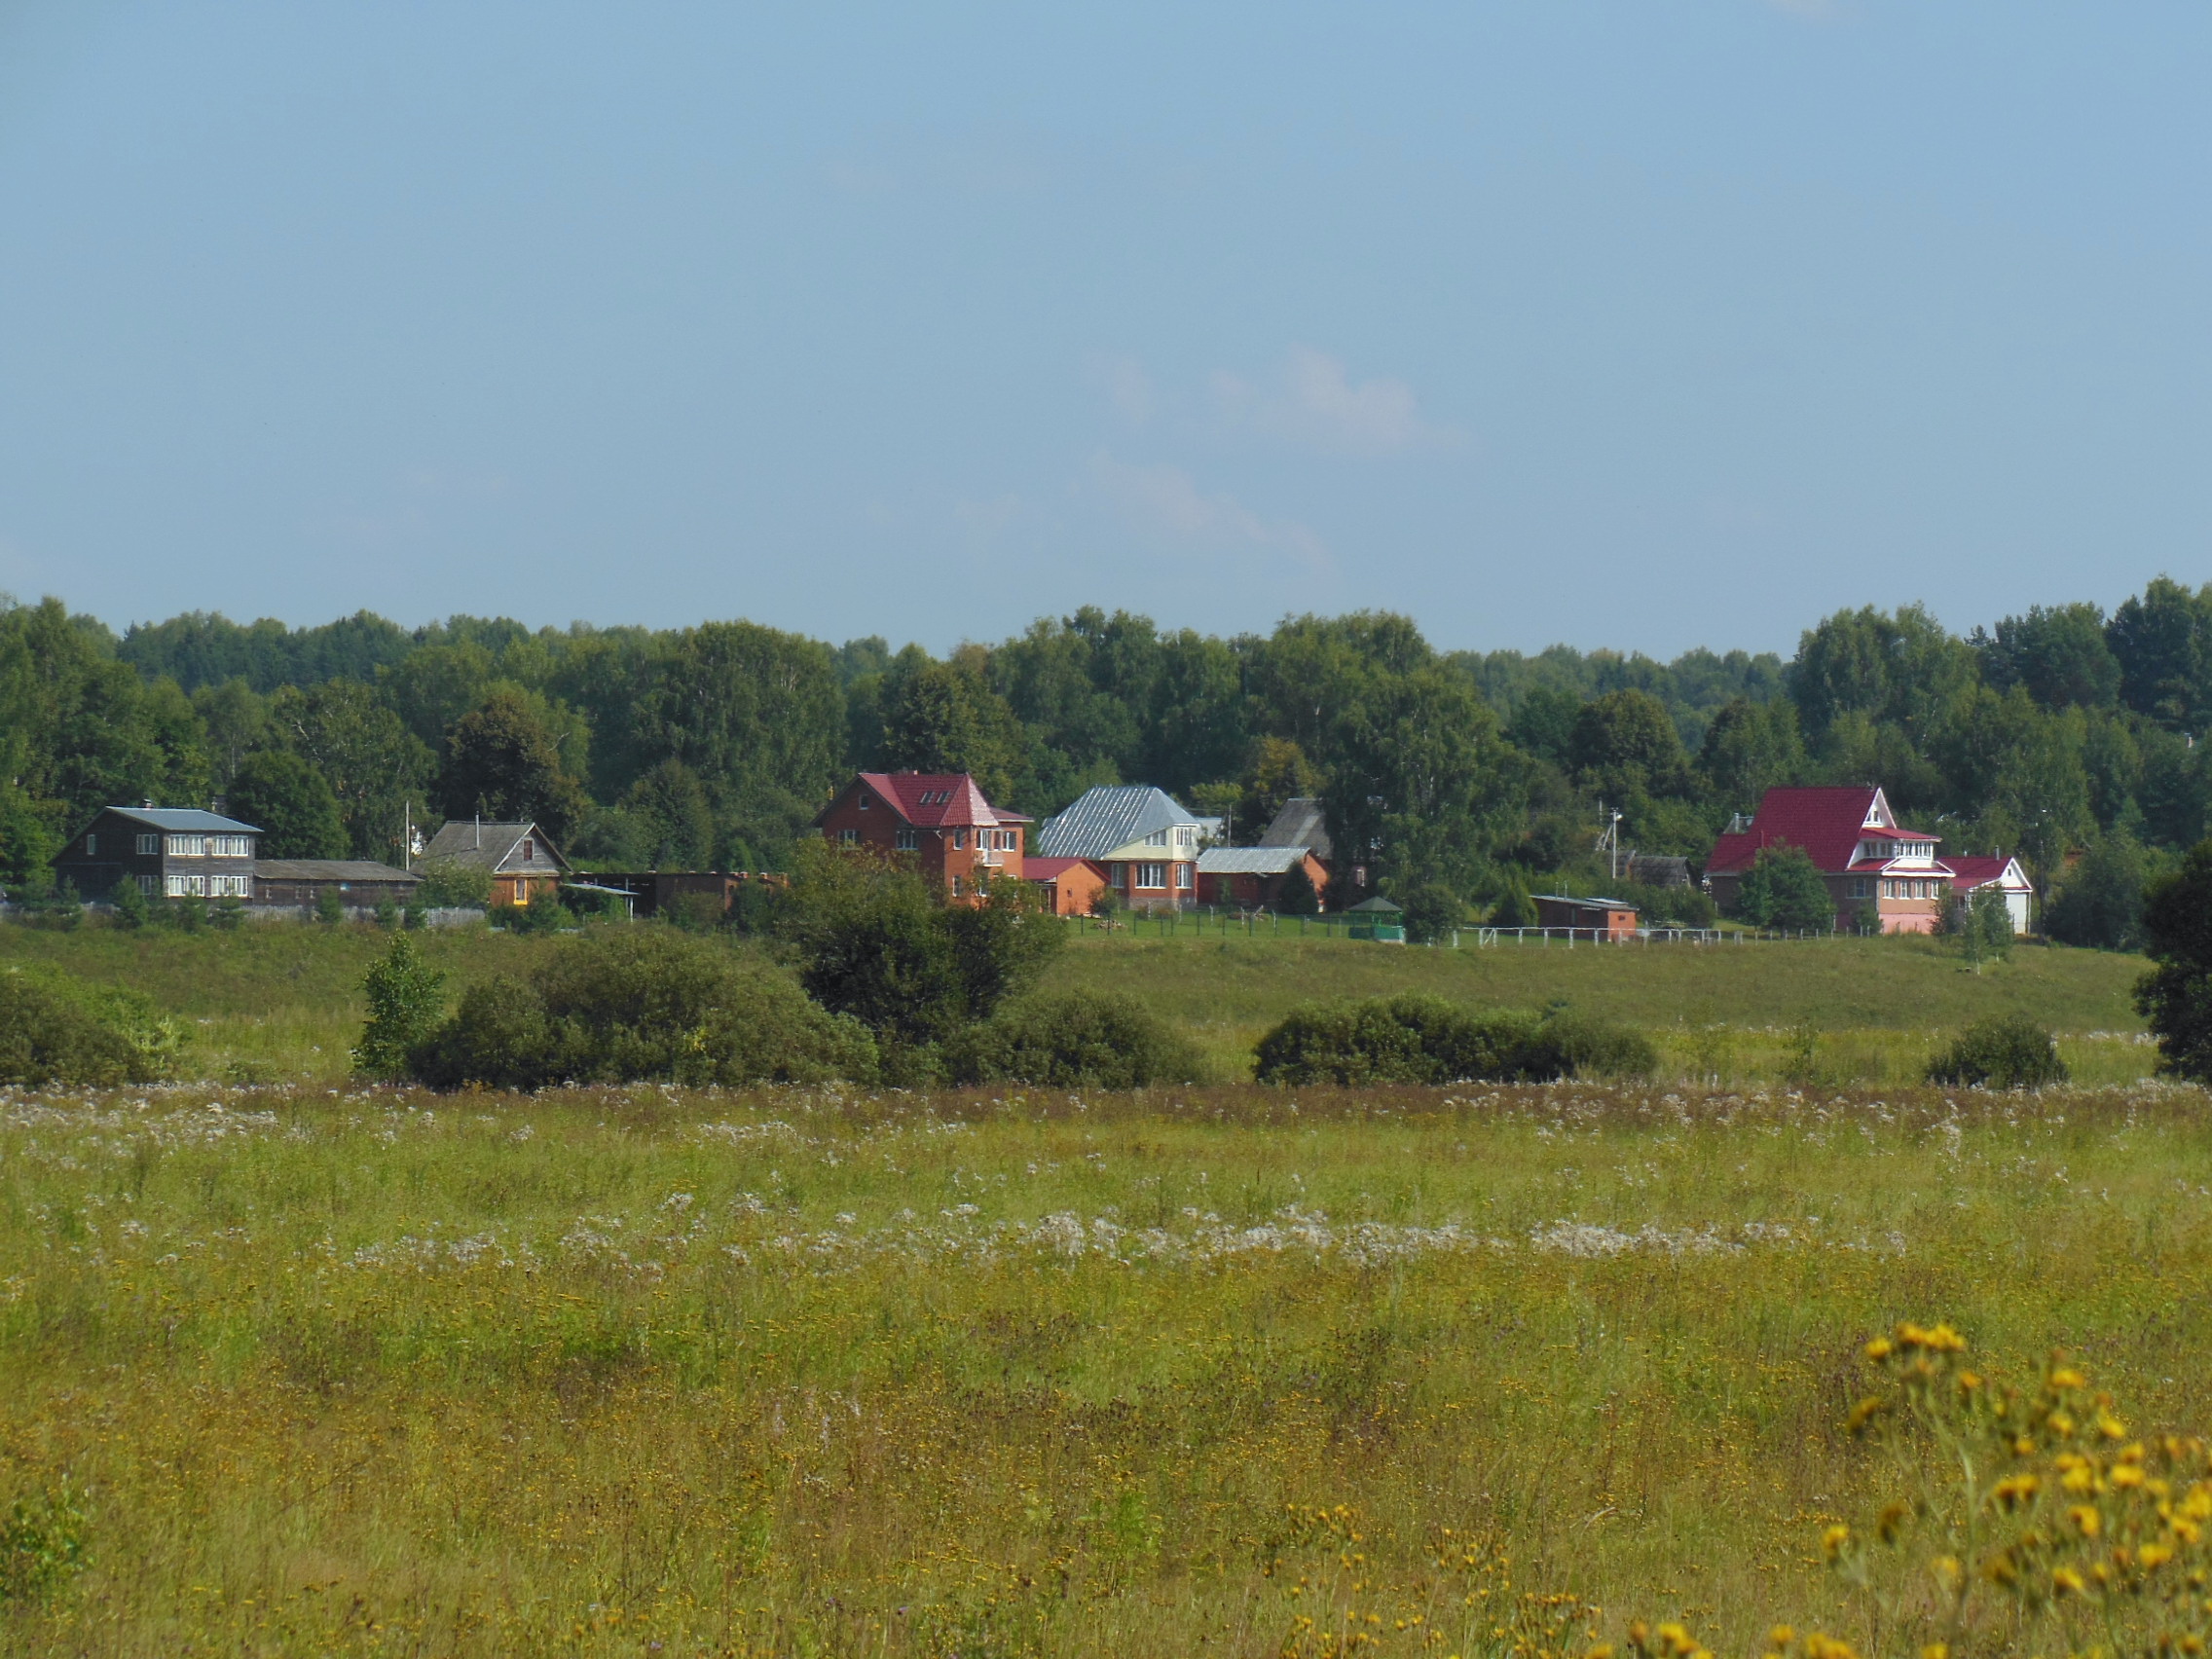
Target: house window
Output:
[(865, 803), (230, 886), (849, 837), (1158, 838), (148, 845), (528, 850), (148, 883), (1152, 875), (956, 887), (1860, 888), (908, 840), (1183, 877), (188, 846), (960, 837), (92, 844), (226, 847), (187, 887)]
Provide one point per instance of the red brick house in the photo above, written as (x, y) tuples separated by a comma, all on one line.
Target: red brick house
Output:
[(1866, 858), (939, 818), (1251, 879), (1070, 885)]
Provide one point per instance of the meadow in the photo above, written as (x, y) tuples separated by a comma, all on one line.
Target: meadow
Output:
[(281, 1003), (1238, 1371)]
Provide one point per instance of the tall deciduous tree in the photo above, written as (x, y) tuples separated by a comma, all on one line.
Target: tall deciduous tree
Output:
[(504, 760), (288, 801), (2176, 996), (372, 762)]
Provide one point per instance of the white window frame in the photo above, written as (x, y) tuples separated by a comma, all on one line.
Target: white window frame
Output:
[(230, 847), (1152, 877), (907, 839), (181, 886), (1182, 878), (848, 837), (230, 887), (148, 846), (188, 846)]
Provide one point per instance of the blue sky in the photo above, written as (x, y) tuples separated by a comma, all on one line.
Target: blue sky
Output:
[(1640, 324)]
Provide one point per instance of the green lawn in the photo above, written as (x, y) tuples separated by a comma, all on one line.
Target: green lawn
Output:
[(284, 1000)]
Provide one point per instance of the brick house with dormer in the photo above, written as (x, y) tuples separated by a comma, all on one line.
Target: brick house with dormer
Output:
[(1868, 858), (939, 819)]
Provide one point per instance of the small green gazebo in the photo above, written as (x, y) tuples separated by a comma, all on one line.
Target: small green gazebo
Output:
[(1379, 919)]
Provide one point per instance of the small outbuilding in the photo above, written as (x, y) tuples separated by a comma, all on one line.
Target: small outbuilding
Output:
[(1252, 878), (359, 883), (1592, 918), (1071, 886), (1379, 919)]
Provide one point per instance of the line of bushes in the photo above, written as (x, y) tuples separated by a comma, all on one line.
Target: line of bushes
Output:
[(1422, 1039)]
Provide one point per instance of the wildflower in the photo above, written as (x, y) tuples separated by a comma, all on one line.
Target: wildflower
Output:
[(1891, 1522), (2065, 1581), (2086, 1520), (2110, 1426), (1834, 1538), (1781, 1635), (1880, 1349), (2068, 1378), (1936, 1650), (1865, 1413)]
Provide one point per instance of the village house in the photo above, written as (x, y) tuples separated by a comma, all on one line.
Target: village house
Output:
[(170, 852), (1146, 841), (1252, 878), (522, 862), (956, 836), (1871, 863), (1071, 886)]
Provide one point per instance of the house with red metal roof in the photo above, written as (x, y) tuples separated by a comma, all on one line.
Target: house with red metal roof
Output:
[(940, 819), (1868, 860)]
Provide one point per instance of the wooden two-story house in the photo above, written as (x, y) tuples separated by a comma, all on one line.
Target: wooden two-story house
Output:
[(941, 820), (170, 852)]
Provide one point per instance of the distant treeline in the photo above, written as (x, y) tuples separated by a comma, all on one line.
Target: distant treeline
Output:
[(1459, 773)]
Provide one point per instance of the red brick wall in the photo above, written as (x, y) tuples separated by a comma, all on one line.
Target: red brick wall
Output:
[(953, 856)]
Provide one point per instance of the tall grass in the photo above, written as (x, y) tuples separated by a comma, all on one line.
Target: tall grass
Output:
[(804, 1371)]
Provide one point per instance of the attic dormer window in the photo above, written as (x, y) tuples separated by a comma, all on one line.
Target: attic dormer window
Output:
[(528, 850)]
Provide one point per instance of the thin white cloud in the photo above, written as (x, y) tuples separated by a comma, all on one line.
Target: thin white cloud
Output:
[(1315, 404), (1165, 503), (1128, 387)]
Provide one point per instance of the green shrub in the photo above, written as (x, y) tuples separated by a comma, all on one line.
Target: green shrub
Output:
[(1074, 1040), (329, 907), (2010, 1052), (54, 1029), (643, 1002), (131, 908), (42, 1543), (541, 917), (226, 914), (448, 885), (1582, 1045), (1402, 1039), (1423, 1038), (1784, 890), (407, 1000)]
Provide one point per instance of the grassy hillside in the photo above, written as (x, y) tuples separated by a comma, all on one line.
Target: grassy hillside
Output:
[(1231, 1372), (284, 1001)]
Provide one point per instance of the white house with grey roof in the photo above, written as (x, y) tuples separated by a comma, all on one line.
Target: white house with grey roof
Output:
[(1146, 840)]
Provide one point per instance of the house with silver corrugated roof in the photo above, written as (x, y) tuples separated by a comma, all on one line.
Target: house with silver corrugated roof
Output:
[(1145, 839)]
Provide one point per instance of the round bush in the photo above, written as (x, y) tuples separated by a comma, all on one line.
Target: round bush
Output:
[(642, 1003), (2011, 1051), (51, 1031), (1076, 1040)]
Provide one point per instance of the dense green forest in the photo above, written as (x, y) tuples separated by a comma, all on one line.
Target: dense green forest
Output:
[(2061, 732)]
